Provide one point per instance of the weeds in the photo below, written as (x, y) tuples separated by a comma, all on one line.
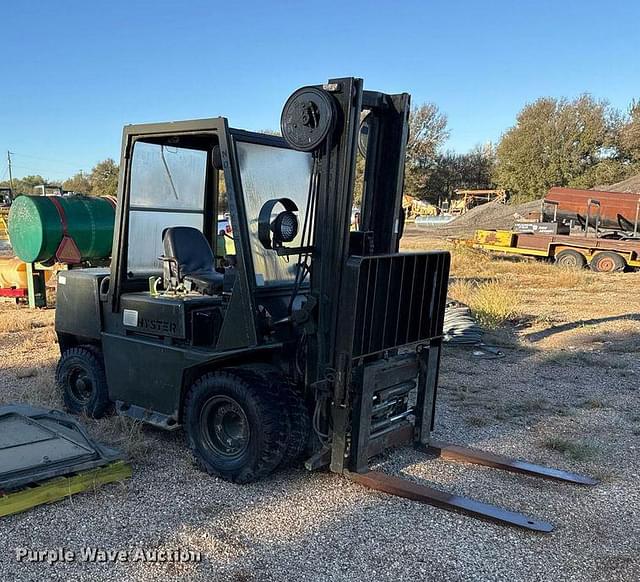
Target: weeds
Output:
[(576, 450), (123, 433), (477, 421), (593, 403), (26, 373), (491, 302)]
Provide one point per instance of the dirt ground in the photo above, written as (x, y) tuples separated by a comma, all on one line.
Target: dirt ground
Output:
[(565, 393)]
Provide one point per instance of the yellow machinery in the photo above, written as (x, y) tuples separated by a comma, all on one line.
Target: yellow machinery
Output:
[(414, 207), (467, 199), (23, 280), (4, 229)]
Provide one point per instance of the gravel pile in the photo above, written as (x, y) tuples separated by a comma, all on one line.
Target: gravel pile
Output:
[(489, 215), (631, 185), (321, 527)]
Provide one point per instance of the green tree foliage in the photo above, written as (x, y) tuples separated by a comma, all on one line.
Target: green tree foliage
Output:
[(557, 142), (427, 133), (104, 178), (630, 134), (25, 185), (452, 171), (79, 183)]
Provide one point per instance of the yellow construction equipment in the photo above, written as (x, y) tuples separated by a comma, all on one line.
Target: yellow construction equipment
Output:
[(4, 229), (414, 207), (467, 199)]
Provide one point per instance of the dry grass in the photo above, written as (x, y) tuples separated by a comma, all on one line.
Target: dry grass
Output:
[(469, 262), (122, 433), (492, 302), (19, 319), (26, 373), (14, 321)]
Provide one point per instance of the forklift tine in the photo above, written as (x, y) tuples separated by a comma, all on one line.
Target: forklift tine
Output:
[(457, 453), (422, 493)]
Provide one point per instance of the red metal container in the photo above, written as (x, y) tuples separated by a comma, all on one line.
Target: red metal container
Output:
[(618, 210)]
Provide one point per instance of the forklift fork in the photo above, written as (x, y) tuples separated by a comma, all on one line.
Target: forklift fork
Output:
[(417, 492), (374, 386)]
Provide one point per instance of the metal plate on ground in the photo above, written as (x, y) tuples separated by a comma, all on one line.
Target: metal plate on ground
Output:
[(38, 444)]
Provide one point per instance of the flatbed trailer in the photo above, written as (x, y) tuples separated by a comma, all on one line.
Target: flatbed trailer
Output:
[(601, 254)]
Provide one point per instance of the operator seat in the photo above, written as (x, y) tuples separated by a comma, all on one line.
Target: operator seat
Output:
[(188, 260)]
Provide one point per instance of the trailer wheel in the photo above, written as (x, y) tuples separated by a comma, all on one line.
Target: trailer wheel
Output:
[(81, 378), (235, 430), (571, 259), (608, 262)]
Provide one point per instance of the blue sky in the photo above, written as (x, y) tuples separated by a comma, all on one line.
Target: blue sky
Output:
[(73, 73)]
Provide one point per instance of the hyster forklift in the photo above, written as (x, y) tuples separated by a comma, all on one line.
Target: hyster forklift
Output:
[(313, 342)]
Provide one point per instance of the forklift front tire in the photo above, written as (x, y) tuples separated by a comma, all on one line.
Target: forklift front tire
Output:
[(235, 431), (81, 378)]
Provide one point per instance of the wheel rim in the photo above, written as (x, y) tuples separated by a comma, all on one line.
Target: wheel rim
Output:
[(224, 427), (569, 261), (606, 264), (81, 385)]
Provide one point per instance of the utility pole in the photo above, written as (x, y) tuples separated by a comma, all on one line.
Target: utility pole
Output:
[(10, 173)]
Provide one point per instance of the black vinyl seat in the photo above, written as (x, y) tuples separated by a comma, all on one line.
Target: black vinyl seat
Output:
[(188, 260)]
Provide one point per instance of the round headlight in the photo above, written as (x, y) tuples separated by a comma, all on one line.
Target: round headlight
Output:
[(285, 226)]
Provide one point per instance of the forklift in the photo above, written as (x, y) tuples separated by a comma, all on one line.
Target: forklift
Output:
[(313, 341)]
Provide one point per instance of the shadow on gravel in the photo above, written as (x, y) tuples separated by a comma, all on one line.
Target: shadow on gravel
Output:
[(545, 333)]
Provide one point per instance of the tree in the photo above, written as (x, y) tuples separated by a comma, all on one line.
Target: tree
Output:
[(104, 178), (452, 171), (630, 133), (25, 185), (556, 142), (427, 133), (79, 183)]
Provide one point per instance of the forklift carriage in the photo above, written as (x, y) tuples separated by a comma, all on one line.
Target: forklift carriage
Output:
[(309, 340)]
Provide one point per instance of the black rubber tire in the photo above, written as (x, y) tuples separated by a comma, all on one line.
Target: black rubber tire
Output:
[(570, 258), (297, 414), (607, 262), (298, 425), (262, 413), (81, 378)]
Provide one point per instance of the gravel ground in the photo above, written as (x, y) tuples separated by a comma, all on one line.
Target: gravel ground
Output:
[(565, 394)]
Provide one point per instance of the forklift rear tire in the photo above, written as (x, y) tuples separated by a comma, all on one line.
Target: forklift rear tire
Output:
[(571, 259), (607, 262), (236, 431), (82, 380)]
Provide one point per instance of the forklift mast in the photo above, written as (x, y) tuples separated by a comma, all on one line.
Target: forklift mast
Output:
[(370, 301)]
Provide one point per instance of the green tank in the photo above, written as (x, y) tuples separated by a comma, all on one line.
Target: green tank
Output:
[(38, 225)]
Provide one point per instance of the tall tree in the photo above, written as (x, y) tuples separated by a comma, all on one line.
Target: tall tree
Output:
[(556, 142), (26, 184), (79, 183), (427, 133), (452, 171), (104, 178), (630, 133)]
